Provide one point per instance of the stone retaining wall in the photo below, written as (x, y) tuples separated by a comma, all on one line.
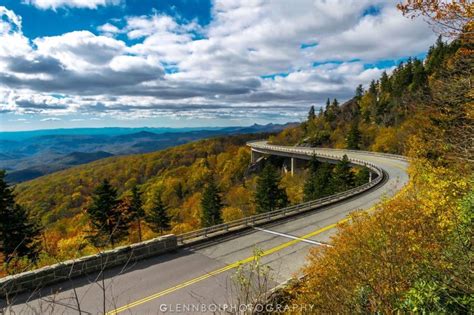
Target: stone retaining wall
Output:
[(32, 280)]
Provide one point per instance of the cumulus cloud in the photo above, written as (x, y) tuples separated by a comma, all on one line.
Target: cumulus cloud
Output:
[(259, 58), (55, 4)]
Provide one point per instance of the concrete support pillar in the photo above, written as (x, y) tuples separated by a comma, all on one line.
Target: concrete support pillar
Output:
[(370, 177), (253, 156), (292, 166)]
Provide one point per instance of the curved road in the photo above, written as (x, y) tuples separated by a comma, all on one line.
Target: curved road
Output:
[(201, 274)]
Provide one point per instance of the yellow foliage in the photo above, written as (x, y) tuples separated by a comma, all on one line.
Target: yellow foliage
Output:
[(241, 198), (294, 186), (289, 136), (386, 140), (232, 213), (182, 228), (377, 256)]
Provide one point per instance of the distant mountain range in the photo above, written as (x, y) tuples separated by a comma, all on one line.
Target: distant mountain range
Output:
[(30, 154)]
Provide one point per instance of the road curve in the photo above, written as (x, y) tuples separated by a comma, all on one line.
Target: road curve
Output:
[(201, 274)]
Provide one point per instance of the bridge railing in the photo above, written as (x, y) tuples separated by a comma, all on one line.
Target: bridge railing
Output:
[(262, 144), (278, 214)]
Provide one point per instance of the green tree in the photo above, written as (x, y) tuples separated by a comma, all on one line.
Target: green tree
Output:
[(343, 175), (269, 196), (311, 114), (385, 85), (354, 137), (211, 204), (18, 235), (362, 176), (310, 189), (318, 183), (109, 223), (136, 211), (359, 92), (158, 219)]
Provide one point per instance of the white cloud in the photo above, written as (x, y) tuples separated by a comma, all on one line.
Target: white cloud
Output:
[(51, 119), (177, 68), (80, 50), (55, 4)]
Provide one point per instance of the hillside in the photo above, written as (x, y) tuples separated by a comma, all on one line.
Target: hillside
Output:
[(419, 97), (65, 193), (30, 154), (412, 253)]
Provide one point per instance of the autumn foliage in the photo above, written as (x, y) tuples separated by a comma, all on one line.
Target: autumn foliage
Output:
[(413, 253)]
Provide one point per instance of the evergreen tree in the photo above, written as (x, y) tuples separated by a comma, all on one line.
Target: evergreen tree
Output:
[(385, 85), (109, 223), (359, 92), (310, 186), (327, 108), (311, 114), (354, 137), (319, 180), (362, 177), (420, 78), (343, 176), (18, 236), (158, 219), (321, 113), (269, 196), (373, 88), (211, 204), (135, 209)]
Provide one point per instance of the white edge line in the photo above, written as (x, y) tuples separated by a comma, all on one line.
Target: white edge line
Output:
[(293, 237)]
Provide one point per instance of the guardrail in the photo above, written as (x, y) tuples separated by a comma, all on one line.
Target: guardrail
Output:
[(262, 144), (278, 214)]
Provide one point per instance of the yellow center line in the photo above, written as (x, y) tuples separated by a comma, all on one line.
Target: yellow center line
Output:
[(221, 270)]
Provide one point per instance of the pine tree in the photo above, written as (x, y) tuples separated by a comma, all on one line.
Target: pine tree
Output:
[(269, 196), (321, 113), (354, 137), (359, 92), (373, 88), (343, 176), (319, 180), (18, 235), (158, 219), (385, 85), (135, 210), (327, 108), (310, 186), (211, 204), (362, 177), (420, 78), (311, 114), (109, 223)]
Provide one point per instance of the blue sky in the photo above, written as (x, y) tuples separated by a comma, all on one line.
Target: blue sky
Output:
[(179, 63)]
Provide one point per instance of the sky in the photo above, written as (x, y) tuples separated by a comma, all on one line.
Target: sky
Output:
[(192, 63)]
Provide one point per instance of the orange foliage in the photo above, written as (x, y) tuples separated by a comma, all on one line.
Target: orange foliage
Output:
[(376, 257)]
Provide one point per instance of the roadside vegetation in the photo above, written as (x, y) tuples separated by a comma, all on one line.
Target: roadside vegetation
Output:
[(413, 253)]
